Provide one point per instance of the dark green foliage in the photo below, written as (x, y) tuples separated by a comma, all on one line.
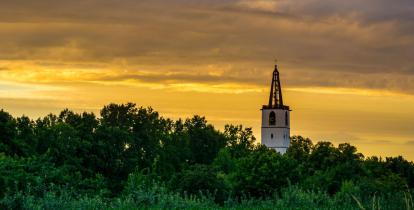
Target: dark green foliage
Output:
[(300, 148), (8, 131), (131, 158), (200, 180), (204, 141), (239, 141), (263, 172)]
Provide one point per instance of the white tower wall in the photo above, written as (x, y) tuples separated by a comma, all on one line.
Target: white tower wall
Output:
[(276, 136)]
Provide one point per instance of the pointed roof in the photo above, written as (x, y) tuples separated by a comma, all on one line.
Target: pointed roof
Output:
[(275, 98)]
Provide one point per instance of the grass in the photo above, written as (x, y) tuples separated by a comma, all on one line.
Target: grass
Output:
[(376, 205), (157, 197)]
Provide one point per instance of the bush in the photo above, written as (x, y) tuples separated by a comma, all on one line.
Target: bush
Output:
[(201, 180)]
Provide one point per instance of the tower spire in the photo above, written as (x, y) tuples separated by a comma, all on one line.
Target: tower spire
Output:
[(276, 118), (275, 98)]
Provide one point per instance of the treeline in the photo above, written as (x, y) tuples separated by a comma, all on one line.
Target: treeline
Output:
[(131, 152)]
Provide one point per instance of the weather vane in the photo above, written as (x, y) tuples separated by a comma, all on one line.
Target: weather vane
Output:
[(275, 61)]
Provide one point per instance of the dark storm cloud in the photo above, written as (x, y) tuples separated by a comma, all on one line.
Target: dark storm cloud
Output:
[(358, 44)]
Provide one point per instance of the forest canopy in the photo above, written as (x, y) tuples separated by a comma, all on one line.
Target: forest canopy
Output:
[(131, 153)]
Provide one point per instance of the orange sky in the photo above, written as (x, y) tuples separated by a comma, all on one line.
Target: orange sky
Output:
[(347, 69)]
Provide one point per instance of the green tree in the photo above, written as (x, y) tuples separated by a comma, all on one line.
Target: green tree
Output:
[(204, 141), (44, 132), (149, 133), (404, 168), (25, 135), (300, 148), (263, 172), (323, 156), (239, 141), (8, 132), (175, 152)]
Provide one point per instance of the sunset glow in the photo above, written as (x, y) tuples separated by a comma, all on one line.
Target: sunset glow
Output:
[(347, 72)]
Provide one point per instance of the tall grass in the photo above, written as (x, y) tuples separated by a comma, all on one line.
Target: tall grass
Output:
[(405, 203), (152, 195), (143, 193)]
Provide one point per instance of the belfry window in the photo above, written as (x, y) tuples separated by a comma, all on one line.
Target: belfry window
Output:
[(286, 118), (272, 118)]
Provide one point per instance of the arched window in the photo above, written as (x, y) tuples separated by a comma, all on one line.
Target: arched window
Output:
[(272, 118), (286, 118), (271, 136)]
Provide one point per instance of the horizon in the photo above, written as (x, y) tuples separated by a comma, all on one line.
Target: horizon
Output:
[(220, 126), (346, 69)]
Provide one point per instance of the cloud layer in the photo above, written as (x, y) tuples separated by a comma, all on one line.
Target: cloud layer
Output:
[(354, 44)]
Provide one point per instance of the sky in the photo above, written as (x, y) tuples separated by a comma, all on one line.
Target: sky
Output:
[(347, 67)]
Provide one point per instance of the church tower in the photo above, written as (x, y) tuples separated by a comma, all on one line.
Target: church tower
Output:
[(276, 118)]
